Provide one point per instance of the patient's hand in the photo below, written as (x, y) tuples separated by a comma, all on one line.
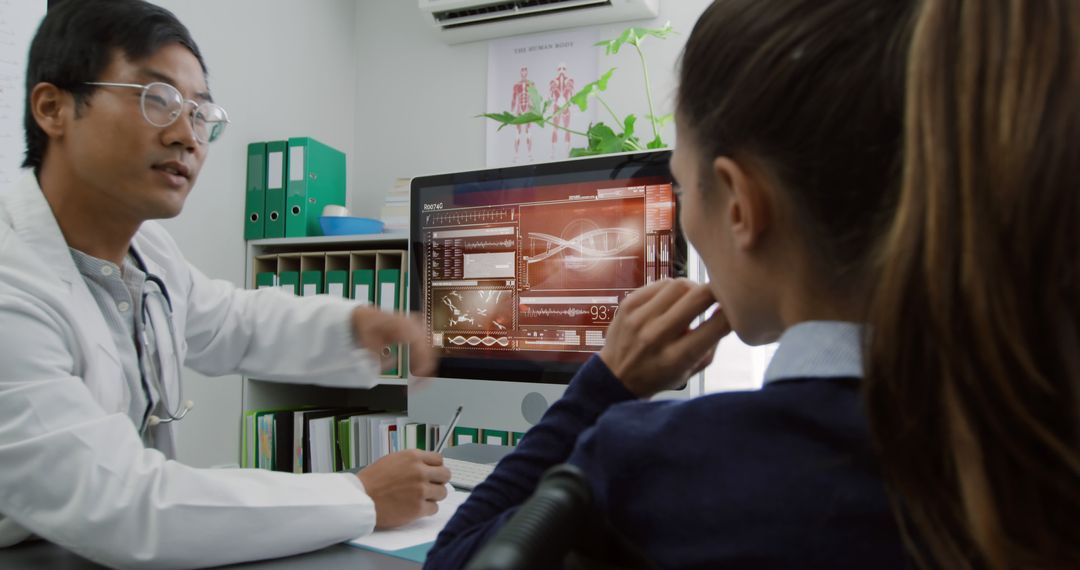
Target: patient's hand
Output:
[(650, 346), (405, 486)]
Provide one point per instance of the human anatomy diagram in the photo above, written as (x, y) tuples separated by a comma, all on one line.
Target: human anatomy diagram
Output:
[(522, 103), (560, 90)]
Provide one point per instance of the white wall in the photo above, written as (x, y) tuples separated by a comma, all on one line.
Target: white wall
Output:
[(18, 23), (281, 68)]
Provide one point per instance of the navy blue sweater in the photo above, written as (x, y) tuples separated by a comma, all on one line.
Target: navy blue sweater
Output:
[(782, 477)]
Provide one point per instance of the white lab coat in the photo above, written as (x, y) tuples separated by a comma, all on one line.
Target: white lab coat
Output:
[(73, 469)]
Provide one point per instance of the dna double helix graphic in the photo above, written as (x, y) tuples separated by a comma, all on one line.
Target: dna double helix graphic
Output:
[(593, 245)]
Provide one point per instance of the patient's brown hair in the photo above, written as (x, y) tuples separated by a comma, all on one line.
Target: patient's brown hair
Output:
[(974, 357)]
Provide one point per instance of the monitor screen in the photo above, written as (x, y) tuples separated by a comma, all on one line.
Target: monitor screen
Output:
[(518, 272)]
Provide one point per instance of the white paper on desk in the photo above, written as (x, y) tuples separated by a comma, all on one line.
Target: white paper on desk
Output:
[(420, 531)]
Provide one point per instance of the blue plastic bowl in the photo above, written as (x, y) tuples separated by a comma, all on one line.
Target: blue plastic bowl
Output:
[(348, 225)]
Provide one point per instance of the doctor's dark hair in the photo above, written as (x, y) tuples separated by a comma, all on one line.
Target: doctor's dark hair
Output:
[(77, 41), (812, 92)]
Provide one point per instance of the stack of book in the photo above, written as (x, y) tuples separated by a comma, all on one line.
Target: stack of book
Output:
[(395, 210), (311, 440), (325, 440)]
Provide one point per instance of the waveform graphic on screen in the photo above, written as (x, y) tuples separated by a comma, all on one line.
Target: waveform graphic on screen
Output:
[(487, 244), (477, 216), (570, 312)]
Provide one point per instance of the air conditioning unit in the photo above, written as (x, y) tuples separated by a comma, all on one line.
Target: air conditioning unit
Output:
[(459, 21)]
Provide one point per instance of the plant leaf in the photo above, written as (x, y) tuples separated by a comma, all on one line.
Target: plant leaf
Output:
[(535, 100), (600, 131), (663, 119), (581, 98), (506, 118), (603, 140), (657, 143), (634, 36), (582, 151), (529, 117), (628, 126)]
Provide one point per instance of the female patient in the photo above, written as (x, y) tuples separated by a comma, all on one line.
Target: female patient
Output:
[(789, 129), (972, 380)]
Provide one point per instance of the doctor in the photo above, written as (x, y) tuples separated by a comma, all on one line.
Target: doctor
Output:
[(98, 308)]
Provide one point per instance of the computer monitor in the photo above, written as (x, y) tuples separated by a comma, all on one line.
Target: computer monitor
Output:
[(517, 273)]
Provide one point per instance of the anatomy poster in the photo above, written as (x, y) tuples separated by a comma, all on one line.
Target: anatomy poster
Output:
[(557, 64)]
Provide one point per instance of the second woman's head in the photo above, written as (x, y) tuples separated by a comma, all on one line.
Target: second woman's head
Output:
[(789, 120)]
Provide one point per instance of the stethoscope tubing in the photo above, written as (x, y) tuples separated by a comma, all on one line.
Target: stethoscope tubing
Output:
[(182, 407)]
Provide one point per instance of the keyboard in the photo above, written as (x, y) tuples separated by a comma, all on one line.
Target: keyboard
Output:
[(466, 474)]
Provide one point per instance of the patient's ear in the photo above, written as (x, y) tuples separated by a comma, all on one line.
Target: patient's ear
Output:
[(51, 108), (749, 205)]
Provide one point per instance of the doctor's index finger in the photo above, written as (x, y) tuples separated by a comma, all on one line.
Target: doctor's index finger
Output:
[(423, 361), (429, 457), (436, 492), (405, 328), (438, 475)]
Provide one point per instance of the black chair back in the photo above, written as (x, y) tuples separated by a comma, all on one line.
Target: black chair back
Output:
[(558, 528)]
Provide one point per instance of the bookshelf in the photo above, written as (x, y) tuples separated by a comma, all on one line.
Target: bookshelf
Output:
[(375, 249)]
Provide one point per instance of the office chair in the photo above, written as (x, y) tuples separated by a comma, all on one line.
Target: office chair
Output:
[(559, 528)]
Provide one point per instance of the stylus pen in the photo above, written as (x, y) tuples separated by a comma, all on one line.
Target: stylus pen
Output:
[(449, 430)]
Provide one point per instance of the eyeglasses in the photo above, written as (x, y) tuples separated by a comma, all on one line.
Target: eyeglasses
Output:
[(162, 104)]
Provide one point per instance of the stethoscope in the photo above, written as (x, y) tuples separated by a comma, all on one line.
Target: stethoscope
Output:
[(156, 378)]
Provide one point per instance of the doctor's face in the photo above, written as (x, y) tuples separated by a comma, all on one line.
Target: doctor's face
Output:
[(139, 170)]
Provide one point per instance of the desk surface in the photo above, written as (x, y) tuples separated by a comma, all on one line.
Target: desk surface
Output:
[(41, 554)]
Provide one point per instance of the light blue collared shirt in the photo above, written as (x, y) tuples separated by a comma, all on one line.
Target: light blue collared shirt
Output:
[(818, 349)]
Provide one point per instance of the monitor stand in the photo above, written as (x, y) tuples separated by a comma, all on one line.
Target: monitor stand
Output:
[(478, 452)]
